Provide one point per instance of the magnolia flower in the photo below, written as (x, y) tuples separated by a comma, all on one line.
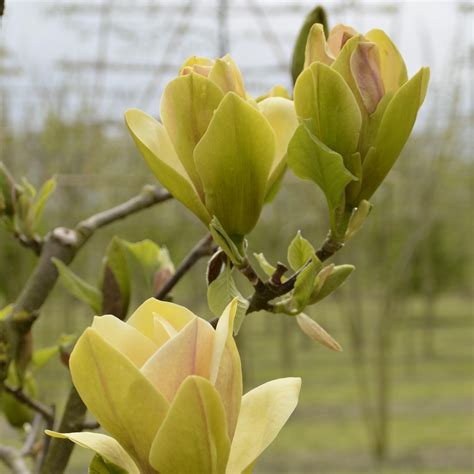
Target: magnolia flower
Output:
[(168, 389), (358, 107), (217, 151)]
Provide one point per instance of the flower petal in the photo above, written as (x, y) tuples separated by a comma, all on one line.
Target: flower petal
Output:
[(186, 108), (322, 95), (109, 385), (394, 130), (103, 445), (394, 71), (227, 76), (365, 68), (226, 369), (143, 318), (193, 437), (281, 114), (155, 145), (339, 36), (188, 353), (234, 159), (263, 414), (316, 47), (125, 338)]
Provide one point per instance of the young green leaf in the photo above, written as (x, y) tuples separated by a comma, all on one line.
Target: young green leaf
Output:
[(299, 252), (224, 241), (99, 465), (311, 159), (304, 286), (78, 287), (264, 264), (221, 292), (333, 280)]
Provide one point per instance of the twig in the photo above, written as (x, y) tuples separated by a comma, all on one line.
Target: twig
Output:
[(35, 405), (13, 459), (29, 443), (265, 291), (203, 248)]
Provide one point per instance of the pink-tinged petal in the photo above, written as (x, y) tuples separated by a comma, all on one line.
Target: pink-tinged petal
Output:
[(122, 400), (143, 318), (188, 353), (338, 37), (126, 339), (226, 370), (365, 68)]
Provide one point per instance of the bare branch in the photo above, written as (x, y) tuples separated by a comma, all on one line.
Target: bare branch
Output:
[(203, 248), (13, 459), (35, 405)]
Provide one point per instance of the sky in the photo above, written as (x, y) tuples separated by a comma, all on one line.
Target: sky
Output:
[(51, 48)]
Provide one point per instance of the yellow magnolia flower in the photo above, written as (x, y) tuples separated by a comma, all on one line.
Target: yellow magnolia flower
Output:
[(216, 150), (358, 108), (167, 386)]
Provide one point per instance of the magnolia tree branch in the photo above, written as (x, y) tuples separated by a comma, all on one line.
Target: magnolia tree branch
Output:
[(35, 405), (205, 247)]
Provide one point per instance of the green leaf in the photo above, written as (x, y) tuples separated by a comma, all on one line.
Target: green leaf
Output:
[(299, 252), (304, 285), (234, 159), (264, 264), (42, 356), (224, 241), (334, 280), (310, 159), (148, 257), (78, 287), (116, 278), (221, 292), (40, 200), (322, 95), (357, 219), (99, 465), (394, 131)]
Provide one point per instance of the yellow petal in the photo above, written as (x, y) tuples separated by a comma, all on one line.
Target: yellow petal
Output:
[(394, 71), (186, 108), (226, 370), (126, 339), (281, 114), (188, 353), (123, 401), (155, 145), (227, 76), (143, 318), (103, 445), (193, 437), (263, 414), (316, 47)]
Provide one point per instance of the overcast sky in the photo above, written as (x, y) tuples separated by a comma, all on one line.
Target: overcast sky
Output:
[(54, 49)]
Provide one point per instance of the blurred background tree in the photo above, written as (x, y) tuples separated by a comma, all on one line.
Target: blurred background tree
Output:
[(399, 399)]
